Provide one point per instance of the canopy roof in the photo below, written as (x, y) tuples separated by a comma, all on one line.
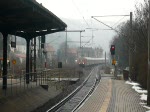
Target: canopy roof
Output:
[(28, 19)]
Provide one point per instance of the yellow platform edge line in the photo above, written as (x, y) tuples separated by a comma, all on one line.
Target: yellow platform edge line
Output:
[(107, 98)]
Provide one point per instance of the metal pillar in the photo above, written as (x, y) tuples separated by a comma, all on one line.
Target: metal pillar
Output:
[(81, 49), (4, 60), (31, 58), (105, 60), (148, 75), (35, 59), (66, 50), (80, 39), (130, 42), (27, 61)]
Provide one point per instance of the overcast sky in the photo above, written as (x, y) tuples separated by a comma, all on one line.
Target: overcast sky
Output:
[(87, 8), (84, 9)]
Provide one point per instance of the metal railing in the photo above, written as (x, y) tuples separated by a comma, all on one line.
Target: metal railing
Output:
[(17, 83)]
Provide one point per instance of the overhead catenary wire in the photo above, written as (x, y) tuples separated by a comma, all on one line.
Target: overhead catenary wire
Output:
[(118, 21), (109, 27), (80, 14), (54, 40), (106, 24), (94, 17), (110, 15), (87, 42)]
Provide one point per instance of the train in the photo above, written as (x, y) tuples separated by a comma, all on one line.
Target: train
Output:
[(89, 61)]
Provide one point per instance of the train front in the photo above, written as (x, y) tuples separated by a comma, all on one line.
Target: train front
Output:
[(81, 62)]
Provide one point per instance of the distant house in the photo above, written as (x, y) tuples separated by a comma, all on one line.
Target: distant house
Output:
[(21, 57), (72, 51), (21, 48), (71, 55), (50, 55), (50, 51), (90, 52), (86, 52), (98, 52), (20, 51)]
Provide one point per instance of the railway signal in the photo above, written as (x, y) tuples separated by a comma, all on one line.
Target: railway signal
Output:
[(14, 61), (112, 49), (113, 62)]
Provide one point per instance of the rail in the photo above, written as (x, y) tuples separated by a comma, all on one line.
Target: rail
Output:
[(58, 105), (89, 93), (62, 102)]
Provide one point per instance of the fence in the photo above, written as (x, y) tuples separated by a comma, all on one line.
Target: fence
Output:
[(17, 83)]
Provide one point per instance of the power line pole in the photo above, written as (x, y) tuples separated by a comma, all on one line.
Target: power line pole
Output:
[(66, 38), (130, 43), (80, 39), (105, 60), (66, 48), (75, 31)]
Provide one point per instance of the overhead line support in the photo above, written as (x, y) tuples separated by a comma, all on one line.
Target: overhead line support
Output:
[(109, 16)]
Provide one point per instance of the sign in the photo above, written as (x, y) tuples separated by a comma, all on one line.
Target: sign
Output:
[(14, 61), (13, 41), (59, 64), (13, 44)]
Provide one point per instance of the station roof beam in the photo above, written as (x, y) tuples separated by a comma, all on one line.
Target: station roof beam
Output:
[(22, 17)]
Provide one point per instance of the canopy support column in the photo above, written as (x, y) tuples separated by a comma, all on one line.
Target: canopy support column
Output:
[(4, 60), (27, 61)]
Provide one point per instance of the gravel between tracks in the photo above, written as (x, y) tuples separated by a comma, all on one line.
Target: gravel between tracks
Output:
[(63, 94)]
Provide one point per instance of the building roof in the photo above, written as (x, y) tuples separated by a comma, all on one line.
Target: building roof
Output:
[(49, 48), (72, 50), (20, 55), (28, 19)]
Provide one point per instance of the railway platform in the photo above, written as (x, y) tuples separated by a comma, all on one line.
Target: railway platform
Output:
[(110, 95), (113, 96)]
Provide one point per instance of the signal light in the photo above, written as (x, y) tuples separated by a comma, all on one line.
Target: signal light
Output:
[(112, 49), (113, 62)]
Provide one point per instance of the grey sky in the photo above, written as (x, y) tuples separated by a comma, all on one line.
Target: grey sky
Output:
[(79, 9), (87, 8)]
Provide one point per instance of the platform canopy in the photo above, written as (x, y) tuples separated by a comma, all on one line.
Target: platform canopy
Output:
[(28, 19)]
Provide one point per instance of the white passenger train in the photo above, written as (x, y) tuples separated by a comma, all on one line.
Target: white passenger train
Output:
[(87, 61)]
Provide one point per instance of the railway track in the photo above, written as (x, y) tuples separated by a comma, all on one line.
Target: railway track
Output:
[(74, 100)]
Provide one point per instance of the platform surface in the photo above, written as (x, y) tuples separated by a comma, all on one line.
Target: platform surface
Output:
[(113, 96)]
